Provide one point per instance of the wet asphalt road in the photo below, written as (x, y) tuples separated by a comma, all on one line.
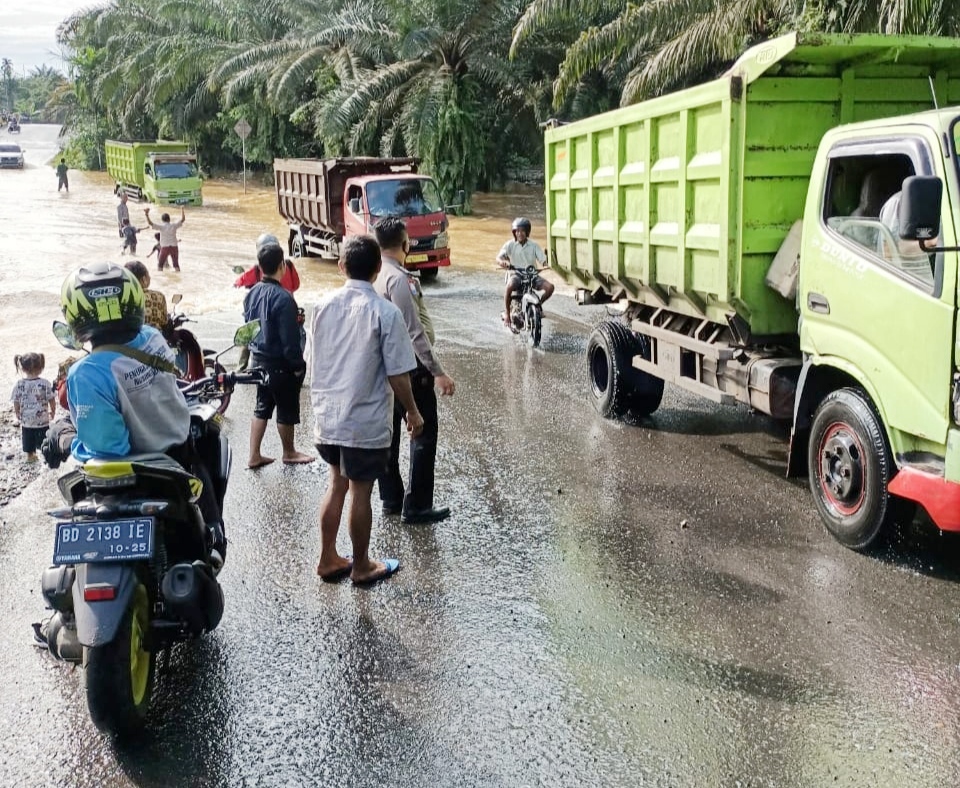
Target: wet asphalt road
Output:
[(609, 604)]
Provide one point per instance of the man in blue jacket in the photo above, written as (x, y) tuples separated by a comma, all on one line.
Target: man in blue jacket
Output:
[(276, 349)]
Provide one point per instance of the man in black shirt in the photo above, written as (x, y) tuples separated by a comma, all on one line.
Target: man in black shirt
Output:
[(277, 350)]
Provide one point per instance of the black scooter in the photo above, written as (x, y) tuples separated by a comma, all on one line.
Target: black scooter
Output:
[(133, 567)]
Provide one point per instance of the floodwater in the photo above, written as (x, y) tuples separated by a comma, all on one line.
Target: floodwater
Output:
[(609, 604), (45, 234)]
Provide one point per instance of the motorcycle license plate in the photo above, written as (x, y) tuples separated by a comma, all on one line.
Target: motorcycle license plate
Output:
[(107, 540)]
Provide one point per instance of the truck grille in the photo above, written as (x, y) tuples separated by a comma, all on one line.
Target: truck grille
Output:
[(421, 244)]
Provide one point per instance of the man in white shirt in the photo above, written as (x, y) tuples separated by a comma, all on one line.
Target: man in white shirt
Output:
[(521, 252), (169, 245), (361, 357)]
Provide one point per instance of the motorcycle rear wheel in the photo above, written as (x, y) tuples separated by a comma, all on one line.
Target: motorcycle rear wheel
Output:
[(119, 675)]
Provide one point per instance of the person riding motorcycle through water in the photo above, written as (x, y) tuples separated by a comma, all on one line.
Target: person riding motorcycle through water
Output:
[(521, 252), (123, 396)]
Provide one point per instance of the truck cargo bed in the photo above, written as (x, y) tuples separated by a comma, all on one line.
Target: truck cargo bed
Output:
[(682, 201)]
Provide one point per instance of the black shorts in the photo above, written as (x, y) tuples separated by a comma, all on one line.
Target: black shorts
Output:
[(31, 438), (282, 391), (360, 465)]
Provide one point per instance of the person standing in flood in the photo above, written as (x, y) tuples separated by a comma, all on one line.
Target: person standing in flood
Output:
[(360, 359), (277, 350), (62, 182), (123, 212), (401, 288), (169, 245)]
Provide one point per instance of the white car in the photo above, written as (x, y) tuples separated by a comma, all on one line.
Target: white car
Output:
[(11, 155)]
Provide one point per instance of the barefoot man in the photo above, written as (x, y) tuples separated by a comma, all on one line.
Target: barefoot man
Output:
[(276, 349)]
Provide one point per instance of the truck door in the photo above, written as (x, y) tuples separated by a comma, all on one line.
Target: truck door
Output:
[(872, 304)]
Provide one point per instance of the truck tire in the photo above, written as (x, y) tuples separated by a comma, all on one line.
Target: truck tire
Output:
[(616, 385), (297, 249), (850, 465), (428, 274)]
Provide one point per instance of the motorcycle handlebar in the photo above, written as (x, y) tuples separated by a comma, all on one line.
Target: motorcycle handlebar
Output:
[(225, 380)]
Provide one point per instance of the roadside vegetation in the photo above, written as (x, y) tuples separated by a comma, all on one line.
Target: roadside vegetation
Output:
[(30, 95), (462, 84)]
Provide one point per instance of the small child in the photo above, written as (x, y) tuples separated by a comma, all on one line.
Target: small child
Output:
[(156, 247), (34, 403), (129, 233)]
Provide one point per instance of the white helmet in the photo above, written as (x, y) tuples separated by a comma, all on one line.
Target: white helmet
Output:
[(266, 239)]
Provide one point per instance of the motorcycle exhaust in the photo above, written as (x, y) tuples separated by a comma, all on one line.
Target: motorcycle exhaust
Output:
[(61, 637), (194, 596)]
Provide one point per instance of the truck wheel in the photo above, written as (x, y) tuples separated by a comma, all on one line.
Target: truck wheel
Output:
[(297, 248), (617, 386), (428, 274), (119, 674), (850, 465)]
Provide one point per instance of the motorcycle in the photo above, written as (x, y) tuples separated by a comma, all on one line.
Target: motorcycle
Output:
[(193, 361), (133, 567), (13, 127), (526, 310)]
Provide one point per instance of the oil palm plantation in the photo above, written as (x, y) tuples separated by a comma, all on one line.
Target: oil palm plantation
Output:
[(429, 80), (653, 46)]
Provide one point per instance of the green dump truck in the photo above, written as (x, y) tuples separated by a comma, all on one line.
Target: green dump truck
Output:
[(785, 237), (161, 171)]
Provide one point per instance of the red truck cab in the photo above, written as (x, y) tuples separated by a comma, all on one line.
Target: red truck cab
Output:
[(415, 199)]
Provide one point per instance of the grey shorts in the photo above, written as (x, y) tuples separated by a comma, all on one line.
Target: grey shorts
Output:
[(360, 465), (513, 278)]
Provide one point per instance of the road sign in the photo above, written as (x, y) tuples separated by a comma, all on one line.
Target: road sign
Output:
[(243, 128)]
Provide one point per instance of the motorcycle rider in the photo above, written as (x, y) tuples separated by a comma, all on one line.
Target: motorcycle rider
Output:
[(123, 396), (521, 252)]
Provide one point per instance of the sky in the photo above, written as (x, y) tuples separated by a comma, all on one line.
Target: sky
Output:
[(28, 31)]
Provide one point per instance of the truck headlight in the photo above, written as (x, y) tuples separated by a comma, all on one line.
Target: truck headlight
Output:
[(441, 240), (163, 194)]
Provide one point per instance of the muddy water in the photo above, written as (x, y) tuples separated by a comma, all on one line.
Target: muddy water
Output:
[(44, 234)]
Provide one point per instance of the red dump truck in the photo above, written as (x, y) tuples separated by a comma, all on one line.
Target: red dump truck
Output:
[(327, 200)]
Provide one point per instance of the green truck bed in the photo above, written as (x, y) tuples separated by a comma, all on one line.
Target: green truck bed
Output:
[(682, 201)]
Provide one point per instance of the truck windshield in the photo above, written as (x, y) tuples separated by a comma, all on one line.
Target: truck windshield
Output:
[(407, 197), (176, 169)]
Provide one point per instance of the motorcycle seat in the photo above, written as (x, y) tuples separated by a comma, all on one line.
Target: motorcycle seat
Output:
[(123, 466)]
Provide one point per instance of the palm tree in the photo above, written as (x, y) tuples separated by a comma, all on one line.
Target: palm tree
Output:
[(6, 68), (660, 45), (428, 80), (438, 86)]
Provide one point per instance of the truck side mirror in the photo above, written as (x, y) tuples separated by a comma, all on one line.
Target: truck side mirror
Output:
[(354, 205), (919, 213)]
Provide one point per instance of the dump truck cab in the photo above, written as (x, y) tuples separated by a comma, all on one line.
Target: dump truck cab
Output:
[(412, 197), (172, 178), (878, 311)]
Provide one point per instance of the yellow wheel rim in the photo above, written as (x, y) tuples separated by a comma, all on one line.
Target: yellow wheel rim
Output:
[(139, 656)]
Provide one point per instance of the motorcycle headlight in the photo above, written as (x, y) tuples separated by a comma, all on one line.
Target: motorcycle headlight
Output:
[(441, 240)]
